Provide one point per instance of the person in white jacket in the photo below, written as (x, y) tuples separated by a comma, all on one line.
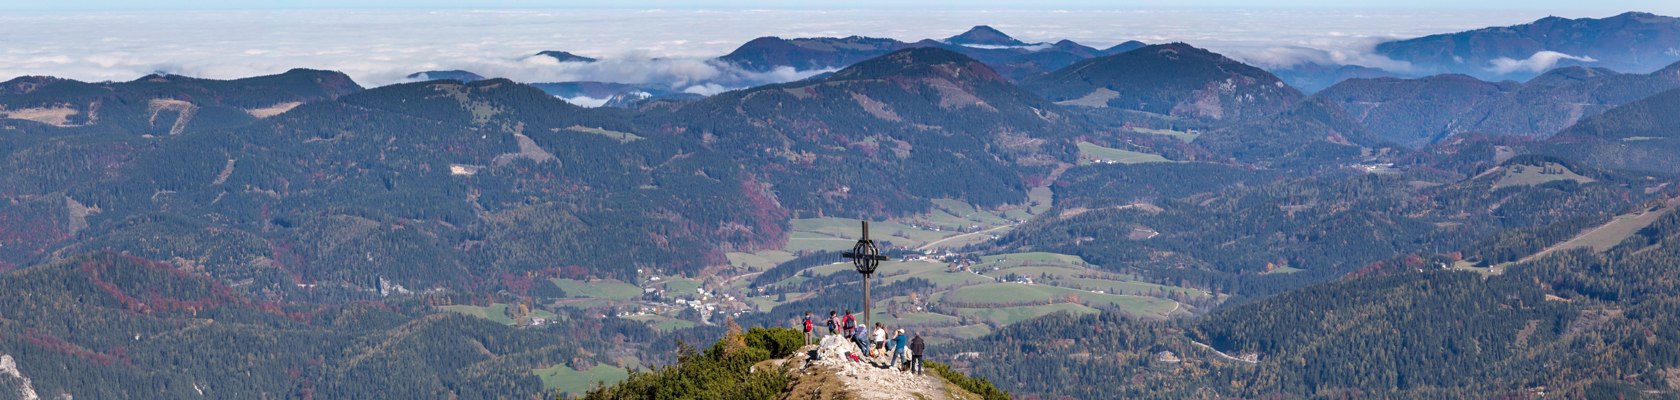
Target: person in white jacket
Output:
[(880, 337)]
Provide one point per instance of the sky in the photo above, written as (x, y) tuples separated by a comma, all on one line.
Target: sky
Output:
[(379, 42), (1658, 6)]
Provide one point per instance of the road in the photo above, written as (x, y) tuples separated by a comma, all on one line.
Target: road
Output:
[(935, 243)]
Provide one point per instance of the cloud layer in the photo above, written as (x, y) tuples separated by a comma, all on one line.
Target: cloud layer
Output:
[(1537, 63), (670, 47)]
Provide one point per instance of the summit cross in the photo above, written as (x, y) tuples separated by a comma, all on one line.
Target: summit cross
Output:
[(865, 258)]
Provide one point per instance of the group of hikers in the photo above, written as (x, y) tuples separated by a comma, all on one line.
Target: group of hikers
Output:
[(871, 343)]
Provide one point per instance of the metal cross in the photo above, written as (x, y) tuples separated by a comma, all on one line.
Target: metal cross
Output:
[(865, 258)]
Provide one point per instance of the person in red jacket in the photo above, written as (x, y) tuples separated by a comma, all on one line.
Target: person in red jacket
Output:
[(809, 325), (849, 323)]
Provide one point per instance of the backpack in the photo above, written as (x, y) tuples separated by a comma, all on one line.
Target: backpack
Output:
[(807, 324), (831, 325), (850, 322)]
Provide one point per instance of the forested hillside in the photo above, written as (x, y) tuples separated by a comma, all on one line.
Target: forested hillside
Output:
[(1575, 324), (107, 325)]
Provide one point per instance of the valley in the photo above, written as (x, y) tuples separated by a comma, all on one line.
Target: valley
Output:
[(1057, 221)]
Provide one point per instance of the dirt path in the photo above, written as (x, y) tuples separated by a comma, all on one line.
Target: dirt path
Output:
[(1222, 354)]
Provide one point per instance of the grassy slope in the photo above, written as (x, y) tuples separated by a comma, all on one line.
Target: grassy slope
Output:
[(565, 379)]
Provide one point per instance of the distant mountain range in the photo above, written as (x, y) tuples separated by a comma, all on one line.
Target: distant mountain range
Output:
[(1417, 112), (1011, 57), (1630, 42)]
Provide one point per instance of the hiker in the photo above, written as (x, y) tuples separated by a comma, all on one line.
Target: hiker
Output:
[(916, 348), (861, 339), (849, 323), (808, 327), (880, 340), (833, 323), (899, 342)]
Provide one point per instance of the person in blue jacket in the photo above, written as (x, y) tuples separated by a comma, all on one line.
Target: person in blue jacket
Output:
[(900, 342), (861, 338)]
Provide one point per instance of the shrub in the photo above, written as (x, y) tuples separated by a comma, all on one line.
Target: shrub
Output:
[(780, 342), (979, 386)]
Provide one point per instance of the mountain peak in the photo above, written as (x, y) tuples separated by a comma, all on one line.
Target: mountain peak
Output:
[(1571, 73), (26, 84), (1639, 15), (985, 36), (564, 57), (769, 52), (1126, 46), (1175, 50), (455, 74), (1169, 79), (920, 62)]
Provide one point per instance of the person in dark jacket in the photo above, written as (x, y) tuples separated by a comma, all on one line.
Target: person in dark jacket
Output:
[(916, 352)]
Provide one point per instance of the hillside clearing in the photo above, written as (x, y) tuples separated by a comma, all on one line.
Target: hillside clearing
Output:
[(1186, 137), (621, 137), (1606, 236), (1091, 153), (1529, 175)]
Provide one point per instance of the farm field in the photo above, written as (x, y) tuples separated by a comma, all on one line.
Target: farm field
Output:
[(497, 312), (1011, 315), (660, 322), (758, 261)]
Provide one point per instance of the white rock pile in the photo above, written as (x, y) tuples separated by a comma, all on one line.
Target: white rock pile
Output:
[(872, 378)]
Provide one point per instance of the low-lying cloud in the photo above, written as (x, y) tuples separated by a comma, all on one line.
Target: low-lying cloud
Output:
[(1285, 57), (673, 48), (1539, 62), (690, 74)]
